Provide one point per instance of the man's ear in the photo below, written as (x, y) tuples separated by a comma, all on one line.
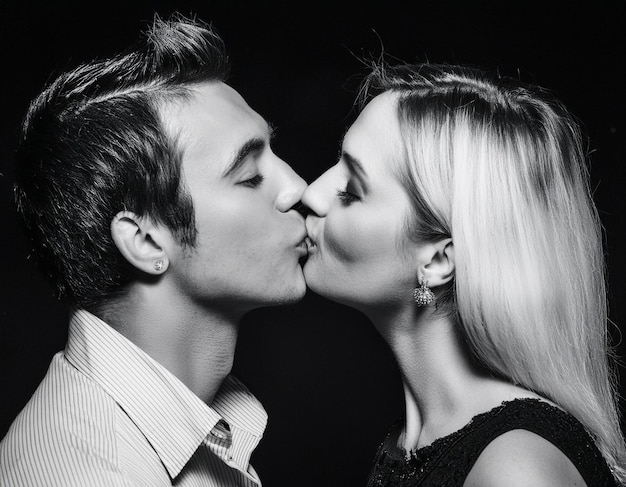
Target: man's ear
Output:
[(141, 242), (438, 263)]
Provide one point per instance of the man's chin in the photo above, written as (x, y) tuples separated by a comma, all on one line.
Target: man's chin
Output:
[(299, 290), (293, 294)]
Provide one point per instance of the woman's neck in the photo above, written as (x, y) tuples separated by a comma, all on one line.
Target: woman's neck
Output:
[(443, 387)]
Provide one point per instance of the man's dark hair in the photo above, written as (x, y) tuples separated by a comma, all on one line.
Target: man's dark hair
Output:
[(93, 144)]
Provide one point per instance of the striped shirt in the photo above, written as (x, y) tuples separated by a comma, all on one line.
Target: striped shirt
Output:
[(106, 414)]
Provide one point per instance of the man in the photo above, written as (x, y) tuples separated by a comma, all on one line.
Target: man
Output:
[(160, 213)]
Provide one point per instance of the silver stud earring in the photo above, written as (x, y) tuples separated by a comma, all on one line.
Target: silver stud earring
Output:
[(422, 294), (158, 265)]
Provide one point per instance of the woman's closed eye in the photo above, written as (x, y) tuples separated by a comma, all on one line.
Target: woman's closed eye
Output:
[(253, 182), (347, 197)]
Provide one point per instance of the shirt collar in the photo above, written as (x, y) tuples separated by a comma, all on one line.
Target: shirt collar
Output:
[(172, 418)]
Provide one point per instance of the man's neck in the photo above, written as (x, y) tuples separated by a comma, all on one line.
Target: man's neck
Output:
[(195, 344)]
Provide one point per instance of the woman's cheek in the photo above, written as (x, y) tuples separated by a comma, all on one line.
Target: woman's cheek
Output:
[(352, 240)]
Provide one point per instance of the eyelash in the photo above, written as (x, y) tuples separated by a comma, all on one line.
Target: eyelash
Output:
[(346, 197), (253, 182)]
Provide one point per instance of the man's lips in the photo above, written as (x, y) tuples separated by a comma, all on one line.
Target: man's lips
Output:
[(303, 250), (302, 245)]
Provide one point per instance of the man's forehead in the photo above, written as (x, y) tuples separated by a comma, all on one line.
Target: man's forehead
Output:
[(214, 122), (217, 101)]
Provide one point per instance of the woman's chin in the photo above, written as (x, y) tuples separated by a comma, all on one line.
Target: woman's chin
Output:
[(317, 281), (324, 287), (309, 276)]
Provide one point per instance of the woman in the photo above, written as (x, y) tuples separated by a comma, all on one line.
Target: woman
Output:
[(459, 220)]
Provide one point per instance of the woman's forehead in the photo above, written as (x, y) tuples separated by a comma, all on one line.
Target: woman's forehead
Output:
[(374, 138)]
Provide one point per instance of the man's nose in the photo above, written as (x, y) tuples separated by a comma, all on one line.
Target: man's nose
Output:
[(291, 189)]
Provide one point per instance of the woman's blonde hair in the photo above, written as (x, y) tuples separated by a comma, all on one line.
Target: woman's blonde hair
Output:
[(498, 165)]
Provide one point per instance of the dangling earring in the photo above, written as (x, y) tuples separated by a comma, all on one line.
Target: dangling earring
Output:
[(422, 294)]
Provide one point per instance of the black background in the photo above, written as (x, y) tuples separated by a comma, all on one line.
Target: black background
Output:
[(327, 380)]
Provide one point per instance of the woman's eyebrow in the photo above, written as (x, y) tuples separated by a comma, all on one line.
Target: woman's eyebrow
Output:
[(354, 165)]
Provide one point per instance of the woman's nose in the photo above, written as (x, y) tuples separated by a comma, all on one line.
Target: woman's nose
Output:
[(317, 196)]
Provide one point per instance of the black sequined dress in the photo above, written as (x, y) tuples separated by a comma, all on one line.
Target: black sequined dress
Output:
[(448, 461)]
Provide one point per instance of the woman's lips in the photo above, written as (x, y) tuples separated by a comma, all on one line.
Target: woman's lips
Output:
[(310, 241), (310, 244)]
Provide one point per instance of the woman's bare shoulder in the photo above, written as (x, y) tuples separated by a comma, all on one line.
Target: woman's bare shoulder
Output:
[(522, 458)]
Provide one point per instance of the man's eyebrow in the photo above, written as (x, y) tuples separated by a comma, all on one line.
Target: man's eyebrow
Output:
[(253, 145), (256, 144)]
